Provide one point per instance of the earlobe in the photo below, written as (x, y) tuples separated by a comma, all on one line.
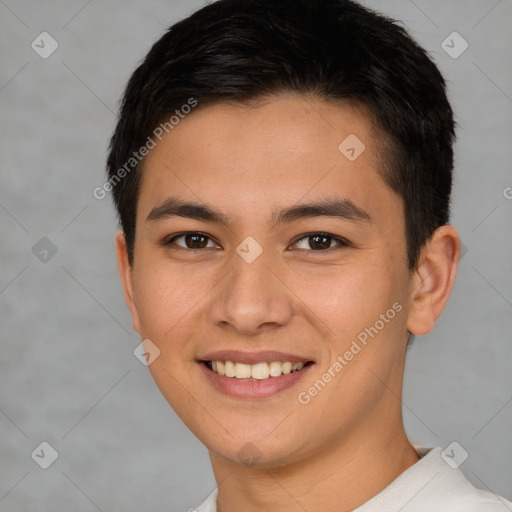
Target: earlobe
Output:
[(433, 280), (125, 272)]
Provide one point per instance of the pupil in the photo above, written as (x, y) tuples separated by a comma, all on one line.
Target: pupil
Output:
[(193, 241), (313, 242)]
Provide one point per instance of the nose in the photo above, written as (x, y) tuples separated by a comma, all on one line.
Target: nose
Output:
[(251, 298)]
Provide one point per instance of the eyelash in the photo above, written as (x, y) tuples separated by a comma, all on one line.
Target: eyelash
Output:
[(341, 241)]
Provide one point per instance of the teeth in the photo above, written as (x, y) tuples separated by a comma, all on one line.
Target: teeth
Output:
[(258, 371), (275, 368), (242, 371), (229, 368), (286, 367)]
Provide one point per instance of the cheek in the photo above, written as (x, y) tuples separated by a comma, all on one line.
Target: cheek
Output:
[(364, 311), (363, 307), (164, 295), (349, 298), (168, 299)]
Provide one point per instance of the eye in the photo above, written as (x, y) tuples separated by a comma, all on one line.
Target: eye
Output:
[(315, 241), (321, 241), (192, 240)]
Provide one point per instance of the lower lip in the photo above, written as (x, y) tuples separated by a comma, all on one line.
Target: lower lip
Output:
[(265, 388)]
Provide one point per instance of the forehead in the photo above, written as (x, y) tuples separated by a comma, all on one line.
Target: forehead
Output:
[(276, 152)]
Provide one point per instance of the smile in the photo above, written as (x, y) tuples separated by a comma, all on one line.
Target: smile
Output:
[(258, 371), (253, 379)]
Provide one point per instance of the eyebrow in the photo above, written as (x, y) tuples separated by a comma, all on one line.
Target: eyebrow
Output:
[(335, 207)]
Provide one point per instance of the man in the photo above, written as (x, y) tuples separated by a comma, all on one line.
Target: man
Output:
[(282, 173)]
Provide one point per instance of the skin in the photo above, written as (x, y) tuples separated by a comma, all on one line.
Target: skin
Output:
[(348, 442)]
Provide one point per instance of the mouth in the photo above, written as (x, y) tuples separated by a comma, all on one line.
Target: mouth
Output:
[(254, 372), (250, 375)]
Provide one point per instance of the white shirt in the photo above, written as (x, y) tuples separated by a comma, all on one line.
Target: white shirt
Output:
[(430, 485)]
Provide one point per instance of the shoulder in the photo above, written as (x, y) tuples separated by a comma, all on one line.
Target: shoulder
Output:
[(209, 504), (433, 484)]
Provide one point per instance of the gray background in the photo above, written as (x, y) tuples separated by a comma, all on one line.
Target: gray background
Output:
[(68, 375)]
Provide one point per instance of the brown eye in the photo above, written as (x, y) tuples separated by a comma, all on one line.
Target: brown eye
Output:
[(195, 241), (320, 242), (192, 240)]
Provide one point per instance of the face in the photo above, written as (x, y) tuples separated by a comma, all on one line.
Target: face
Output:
[(290, 249)]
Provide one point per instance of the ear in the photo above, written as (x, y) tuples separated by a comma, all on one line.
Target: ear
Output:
[(125, 272), (433, 280)]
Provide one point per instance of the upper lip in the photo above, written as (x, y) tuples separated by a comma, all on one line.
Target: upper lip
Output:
[(253, 357)]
